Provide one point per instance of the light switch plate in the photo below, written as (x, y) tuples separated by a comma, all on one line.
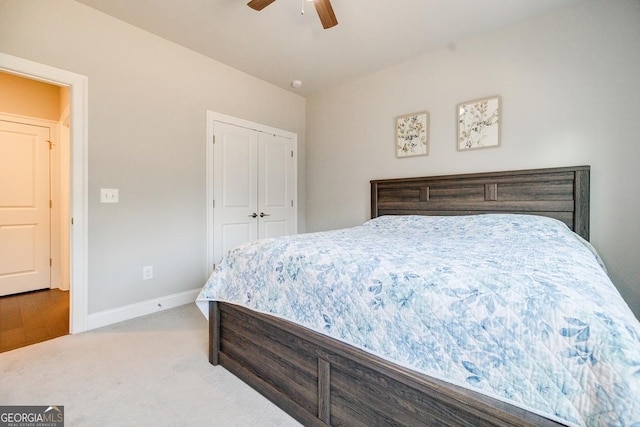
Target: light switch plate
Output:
[(109, 195)]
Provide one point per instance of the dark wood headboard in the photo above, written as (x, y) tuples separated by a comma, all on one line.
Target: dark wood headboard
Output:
[(561, 193)]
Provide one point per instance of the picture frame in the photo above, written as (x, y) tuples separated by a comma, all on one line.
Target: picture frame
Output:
[(412, 135), (479, 123)]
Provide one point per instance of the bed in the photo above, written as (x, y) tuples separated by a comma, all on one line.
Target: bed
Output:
[(337, 367)]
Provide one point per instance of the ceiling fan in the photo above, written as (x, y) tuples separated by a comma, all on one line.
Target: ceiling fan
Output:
[(323, 7)]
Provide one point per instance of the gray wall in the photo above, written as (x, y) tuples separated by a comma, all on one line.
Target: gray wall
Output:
[(570, 96), (147, 104)]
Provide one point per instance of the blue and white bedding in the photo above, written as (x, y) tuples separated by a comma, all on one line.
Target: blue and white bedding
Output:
[(513, 306)]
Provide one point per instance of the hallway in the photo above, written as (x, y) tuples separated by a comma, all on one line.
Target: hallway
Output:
[(33, 317)]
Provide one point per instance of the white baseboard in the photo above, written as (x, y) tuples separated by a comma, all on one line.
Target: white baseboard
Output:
[(109, 317)]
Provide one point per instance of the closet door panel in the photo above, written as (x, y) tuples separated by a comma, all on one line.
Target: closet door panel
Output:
[(235, 181), (276, 186)]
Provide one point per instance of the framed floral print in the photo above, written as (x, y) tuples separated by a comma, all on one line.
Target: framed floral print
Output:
[(412, 135), (479, 124)]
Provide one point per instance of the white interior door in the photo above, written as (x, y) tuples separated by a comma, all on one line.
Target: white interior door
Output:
[(276, 186), (235, 180), (24, 208)]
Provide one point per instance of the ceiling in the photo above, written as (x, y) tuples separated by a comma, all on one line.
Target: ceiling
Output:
[(279, 44)]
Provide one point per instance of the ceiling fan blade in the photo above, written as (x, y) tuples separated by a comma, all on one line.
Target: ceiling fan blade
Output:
[(259, 4), (325, 12)]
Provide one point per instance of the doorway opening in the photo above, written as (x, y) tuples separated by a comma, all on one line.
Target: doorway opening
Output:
[(34, 211), (77, 172)]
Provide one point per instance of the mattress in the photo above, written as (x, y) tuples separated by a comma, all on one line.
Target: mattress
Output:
[(517, 307)]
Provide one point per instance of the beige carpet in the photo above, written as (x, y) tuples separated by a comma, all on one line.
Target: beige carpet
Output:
[(150, 371)]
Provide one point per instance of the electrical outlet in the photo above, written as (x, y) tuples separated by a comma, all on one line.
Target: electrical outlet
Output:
[(147, 272)]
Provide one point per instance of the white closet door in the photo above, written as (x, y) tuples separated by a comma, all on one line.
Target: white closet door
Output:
[(276, 186), (235, 181)]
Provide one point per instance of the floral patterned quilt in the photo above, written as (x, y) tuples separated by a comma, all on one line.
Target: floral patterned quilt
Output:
[(514, 306)]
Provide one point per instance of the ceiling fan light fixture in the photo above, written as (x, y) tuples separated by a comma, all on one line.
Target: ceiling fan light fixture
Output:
[(323, 7)]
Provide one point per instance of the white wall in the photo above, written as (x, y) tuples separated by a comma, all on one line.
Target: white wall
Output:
[(570, 95), (147, 104)]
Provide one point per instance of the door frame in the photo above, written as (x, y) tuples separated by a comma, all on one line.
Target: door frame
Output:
[(78, 210), (212, 117)]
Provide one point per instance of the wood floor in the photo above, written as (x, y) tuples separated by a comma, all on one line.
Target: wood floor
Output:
[(33, 317)]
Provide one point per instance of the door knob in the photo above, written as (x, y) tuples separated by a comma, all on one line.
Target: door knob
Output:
[(262, 214), (253, 215)]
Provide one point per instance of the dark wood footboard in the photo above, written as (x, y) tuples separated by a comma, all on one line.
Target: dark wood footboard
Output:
[(321, 381)]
